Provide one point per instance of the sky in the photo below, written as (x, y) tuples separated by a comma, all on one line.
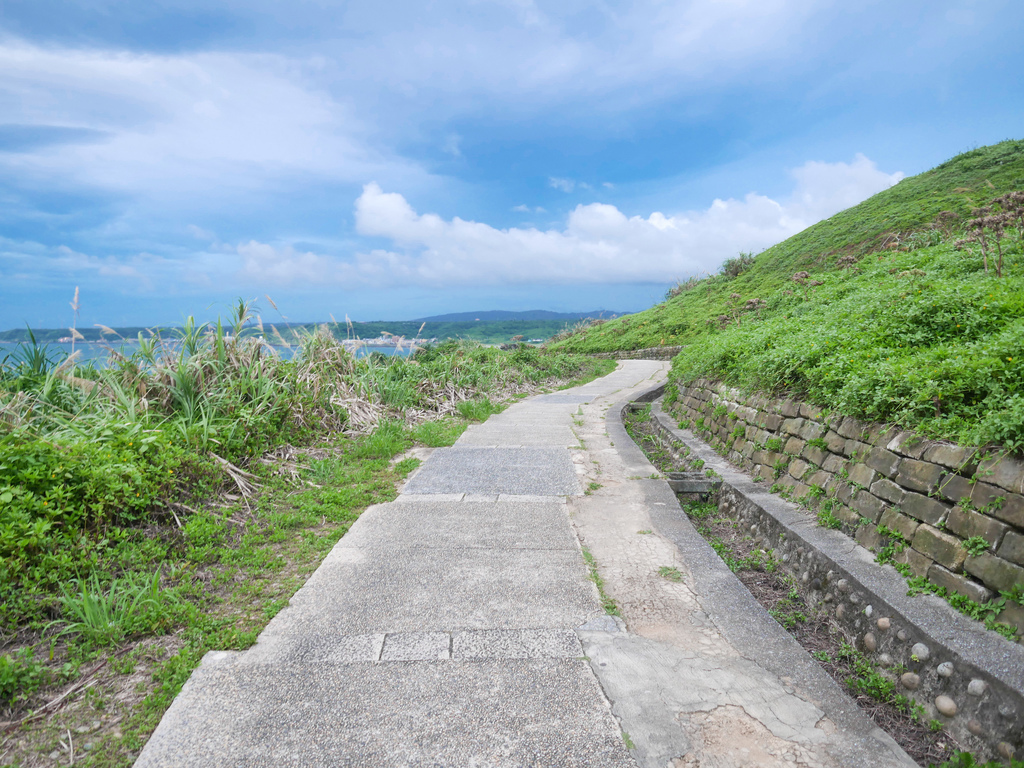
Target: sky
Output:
[(394, 160)]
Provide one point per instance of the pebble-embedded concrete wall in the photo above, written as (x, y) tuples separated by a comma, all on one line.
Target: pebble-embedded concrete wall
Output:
[(935, 495)]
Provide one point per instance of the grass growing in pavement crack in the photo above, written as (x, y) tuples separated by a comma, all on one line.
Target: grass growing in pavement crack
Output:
[(670, 572), (607, 602)]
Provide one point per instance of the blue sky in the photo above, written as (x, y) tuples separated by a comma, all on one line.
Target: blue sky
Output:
[(391, 160)]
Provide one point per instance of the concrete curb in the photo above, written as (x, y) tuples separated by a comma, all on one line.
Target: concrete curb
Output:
[(744, 621)]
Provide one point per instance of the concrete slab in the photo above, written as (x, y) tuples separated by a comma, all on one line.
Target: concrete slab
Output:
[(537, 522), (521, 435), (537, 470), (516, 644), (444, 713), (375, 590)]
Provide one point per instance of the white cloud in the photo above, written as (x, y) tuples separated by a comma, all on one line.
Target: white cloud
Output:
[(182, 126), (565, 185), (521, 208), (598, 244)]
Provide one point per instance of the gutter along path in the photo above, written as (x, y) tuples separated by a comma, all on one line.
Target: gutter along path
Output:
[(456, 626)]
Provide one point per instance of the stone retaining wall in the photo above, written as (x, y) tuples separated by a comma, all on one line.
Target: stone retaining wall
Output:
[(651, 353), (969, 680), (934, 495)]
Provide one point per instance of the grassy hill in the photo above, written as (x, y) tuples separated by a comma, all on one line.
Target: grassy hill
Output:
[(877, 312)]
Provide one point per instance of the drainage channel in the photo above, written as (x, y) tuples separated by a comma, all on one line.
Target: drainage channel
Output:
[(935, 680)]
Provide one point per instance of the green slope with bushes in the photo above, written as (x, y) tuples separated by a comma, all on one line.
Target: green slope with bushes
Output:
[(907, 308)]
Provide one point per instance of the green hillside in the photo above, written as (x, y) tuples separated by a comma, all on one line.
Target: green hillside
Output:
[(878, 312)]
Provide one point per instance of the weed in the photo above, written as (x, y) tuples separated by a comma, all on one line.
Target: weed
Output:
[(670, 572), (975, 545), (132, 604), (607, 602)]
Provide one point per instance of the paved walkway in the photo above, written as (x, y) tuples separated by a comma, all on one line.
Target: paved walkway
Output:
[(456, 626)]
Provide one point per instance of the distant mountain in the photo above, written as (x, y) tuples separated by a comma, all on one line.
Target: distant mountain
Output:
[(501, 315)]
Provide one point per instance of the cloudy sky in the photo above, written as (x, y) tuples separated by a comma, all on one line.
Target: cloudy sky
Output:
[(390, 160)]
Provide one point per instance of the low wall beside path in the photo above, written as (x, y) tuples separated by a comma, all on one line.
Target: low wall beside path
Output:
[(651, 353), (957, 511)]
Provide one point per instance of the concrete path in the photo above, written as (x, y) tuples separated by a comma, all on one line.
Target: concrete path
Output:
[(456, 626)]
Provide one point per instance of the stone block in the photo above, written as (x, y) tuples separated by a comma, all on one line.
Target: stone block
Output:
[(954, 457), (918, 563), (765, 472), (770, 421), (961, 585), (1006, 472), (815, 455), (793, 446), (835, 442), (850, 428), (924, 508), (966, 523), (820, 478), (909, 444), (868, 537), (919, 475), (880, 434), (789, 408), (809, 411), (903, 525), (881, 460), (833, 463), (1014, 616), (746, 413), (798, 468), (868, 506), (1011, 510), (800, 490), (844, 492), (994, 572), (955, 488), (856, 450), (862, 475), (847, 515), (941, 547), (812, 430), (792, 426), (1012, 548), (888, 490), (748, 449)]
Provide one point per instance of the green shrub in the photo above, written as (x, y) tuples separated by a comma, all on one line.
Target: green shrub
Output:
[(21, 674)]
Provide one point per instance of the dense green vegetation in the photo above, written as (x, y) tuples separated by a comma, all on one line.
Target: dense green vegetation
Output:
[(188, 489), (893, 310)]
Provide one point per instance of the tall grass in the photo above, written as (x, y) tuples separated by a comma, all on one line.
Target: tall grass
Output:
[(89, 453)]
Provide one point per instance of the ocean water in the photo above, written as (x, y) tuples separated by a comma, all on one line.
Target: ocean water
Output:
[(98, 353)]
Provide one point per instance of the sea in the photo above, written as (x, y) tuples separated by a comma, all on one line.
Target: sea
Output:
[(98, 353)]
